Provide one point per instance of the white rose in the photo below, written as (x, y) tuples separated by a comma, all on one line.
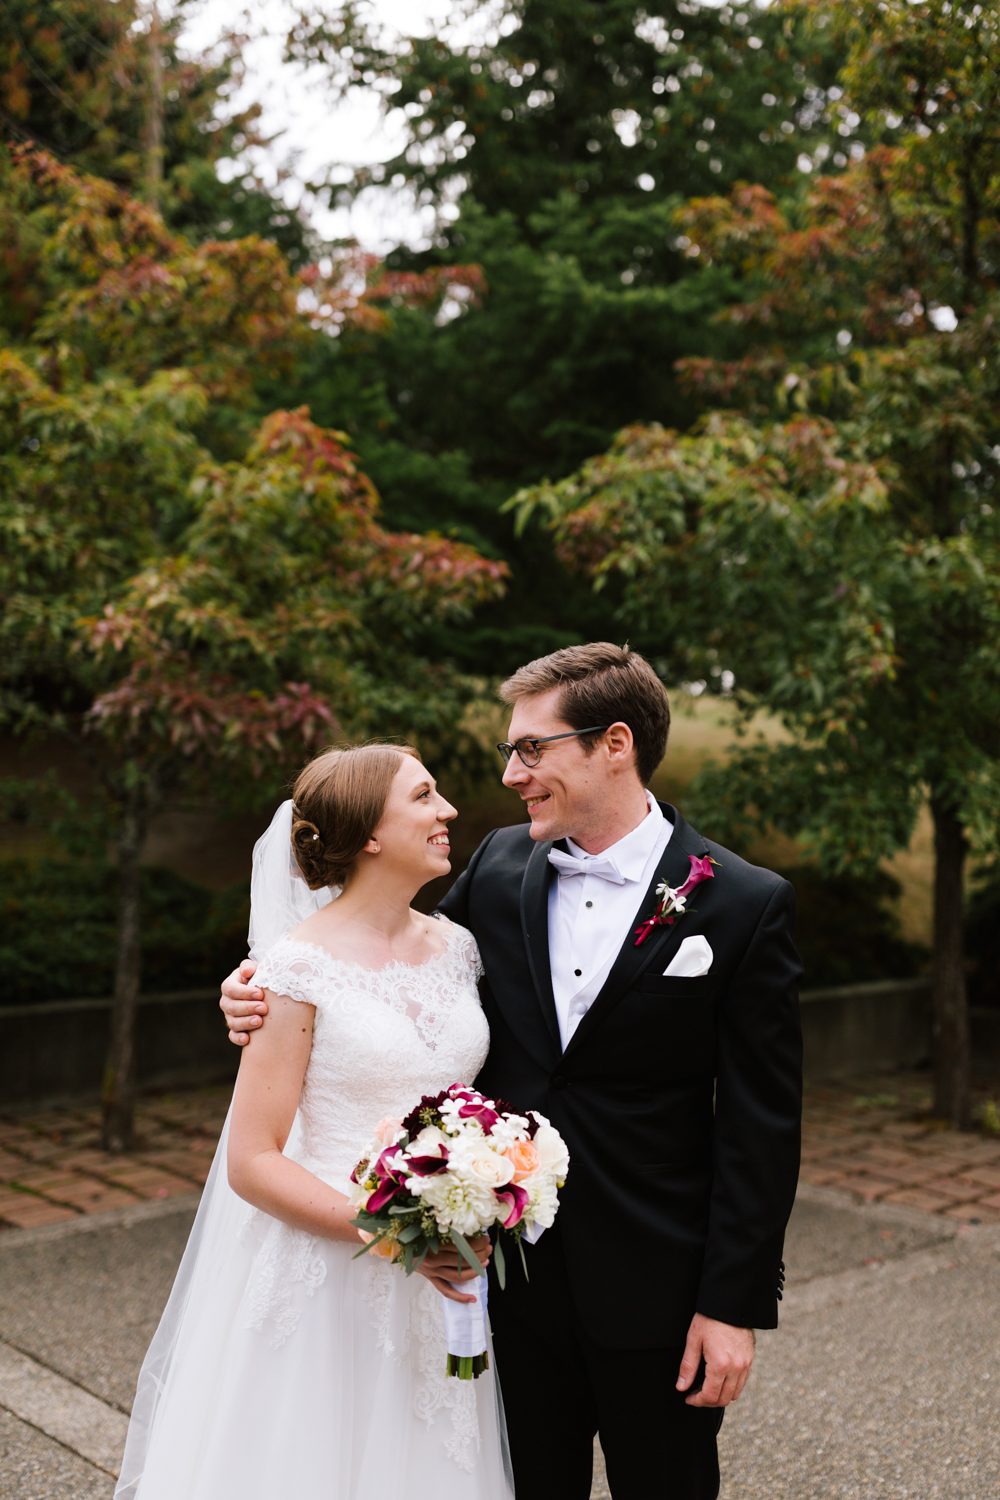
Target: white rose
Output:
[(552, 1153), (487, 1167)]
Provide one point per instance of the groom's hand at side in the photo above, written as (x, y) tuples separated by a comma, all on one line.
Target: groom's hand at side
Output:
[(728, 1354), (242, 1004)]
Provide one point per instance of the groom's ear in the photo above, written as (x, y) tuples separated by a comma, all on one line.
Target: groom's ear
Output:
[(620, 743)]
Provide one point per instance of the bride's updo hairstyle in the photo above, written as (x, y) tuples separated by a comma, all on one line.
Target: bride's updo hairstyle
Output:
[(337, 803)]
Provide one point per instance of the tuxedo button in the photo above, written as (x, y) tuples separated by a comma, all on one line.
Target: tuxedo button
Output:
[(559, 1082)]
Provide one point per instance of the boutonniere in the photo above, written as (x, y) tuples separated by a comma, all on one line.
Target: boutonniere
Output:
[(673, 900)]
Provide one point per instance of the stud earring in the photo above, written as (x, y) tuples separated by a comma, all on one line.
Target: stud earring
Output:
[(375, 847)]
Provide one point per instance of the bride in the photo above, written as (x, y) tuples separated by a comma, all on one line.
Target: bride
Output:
[(284, 1365)]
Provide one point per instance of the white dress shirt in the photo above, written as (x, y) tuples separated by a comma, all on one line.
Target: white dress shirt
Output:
[(590, 914)]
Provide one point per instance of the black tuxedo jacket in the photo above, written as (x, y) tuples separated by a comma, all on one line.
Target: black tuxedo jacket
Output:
[(679, 1099)]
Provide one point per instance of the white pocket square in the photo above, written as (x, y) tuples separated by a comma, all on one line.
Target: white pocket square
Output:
[(692, 959)]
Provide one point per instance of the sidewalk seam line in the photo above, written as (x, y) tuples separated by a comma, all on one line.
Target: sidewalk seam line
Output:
[(68, 1447), (69, 1379)]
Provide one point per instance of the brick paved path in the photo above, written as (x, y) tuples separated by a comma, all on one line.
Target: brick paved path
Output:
[(867, 1138), (52, 1167), (874, 1140)]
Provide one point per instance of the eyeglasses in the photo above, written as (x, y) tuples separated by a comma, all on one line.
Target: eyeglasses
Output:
[(529, 752)]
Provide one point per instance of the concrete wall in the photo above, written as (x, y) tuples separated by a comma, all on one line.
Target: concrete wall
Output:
[(866, 1028), (872, 1028), (55, 1053)]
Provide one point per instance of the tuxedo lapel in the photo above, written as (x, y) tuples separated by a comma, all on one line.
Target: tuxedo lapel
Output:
[(674, 868), (535, 927)]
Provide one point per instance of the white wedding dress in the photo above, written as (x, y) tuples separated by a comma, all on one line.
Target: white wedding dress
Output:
[(284, 1369)]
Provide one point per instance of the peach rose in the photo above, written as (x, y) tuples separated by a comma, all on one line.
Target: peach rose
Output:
[(524, 1159), (388, 1249)]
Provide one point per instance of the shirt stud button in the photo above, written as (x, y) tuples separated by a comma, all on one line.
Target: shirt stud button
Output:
[(590, 903), (577, 972)]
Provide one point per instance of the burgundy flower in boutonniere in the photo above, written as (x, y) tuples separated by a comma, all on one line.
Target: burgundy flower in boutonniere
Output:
[(673, 902)]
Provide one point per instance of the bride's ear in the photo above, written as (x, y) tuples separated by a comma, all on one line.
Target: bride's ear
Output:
[(373, 847)]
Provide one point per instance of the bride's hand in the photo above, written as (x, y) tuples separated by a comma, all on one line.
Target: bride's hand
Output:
[(447, 1267)]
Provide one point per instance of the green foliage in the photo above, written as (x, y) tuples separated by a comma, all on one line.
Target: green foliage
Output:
[(777, 554), (982, 940), (95, 284), (843, 574), (846, 572), (847, 931), (75, 79), (568, 139), (591, 97), (159, 609), (60, 929)]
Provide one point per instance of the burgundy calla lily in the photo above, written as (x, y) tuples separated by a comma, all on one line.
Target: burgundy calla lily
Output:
[(487, 1117), (701, 869), (427, 1166), (517, 1200), (383, 1194)]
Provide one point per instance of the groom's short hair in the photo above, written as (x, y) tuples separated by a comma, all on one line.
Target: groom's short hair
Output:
[(602, 684)]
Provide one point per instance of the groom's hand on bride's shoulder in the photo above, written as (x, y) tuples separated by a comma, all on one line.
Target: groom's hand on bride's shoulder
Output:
[(242, 1004), (728, 1354)]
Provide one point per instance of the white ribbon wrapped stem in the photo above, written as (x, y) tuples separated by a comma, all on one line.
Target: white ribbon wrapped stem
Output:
[(465, 1322)]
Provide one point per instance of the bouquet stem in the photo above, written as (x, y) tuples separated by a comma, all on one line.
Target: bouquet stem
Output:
[(468, 1366)]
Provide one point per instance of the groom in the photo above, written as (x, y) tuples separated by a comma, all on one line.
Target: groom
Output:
[(669, 1057)]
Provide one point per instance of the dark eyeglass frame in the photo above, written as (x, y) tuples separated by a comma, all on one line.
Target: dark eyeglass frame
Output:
[(507, 749)]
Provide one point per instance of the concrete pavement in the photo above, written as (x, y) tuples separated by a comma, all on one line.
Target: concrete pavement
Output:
[(881, 1383)]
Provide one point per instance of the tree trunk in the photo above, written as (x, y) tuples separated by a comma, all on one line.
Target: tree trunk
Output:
[(119, 1073), (951, 1010)]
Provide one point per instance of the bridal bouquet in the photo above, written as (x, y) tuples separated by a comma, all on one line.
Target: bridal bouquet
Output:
[(457, 1165)]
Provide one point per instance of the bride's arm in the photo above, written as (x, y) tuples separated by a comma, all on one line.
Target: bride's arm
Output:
[(267, 1096)]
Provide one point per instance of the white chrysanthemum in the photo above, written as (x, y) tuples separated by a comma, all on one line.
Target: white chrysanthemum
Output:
[(457, 1202), (543, 1201)]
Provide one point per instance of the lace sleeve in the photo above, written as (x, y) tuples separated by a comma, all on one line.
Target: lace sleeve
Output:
[(286, 970), (465, 946)]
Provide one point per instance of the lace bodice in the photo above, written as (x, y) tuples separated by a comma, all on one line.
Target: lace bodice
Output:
[(382, 1038)]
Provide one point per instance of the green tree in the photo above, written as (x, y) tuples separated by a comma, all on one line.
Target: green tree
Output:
[(564, 142), (844, 563), (190, 627), (591, 97)]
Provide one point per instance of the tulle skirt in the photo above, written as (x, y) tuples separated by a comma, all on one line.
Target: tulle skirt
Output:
[(284, 1368)]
